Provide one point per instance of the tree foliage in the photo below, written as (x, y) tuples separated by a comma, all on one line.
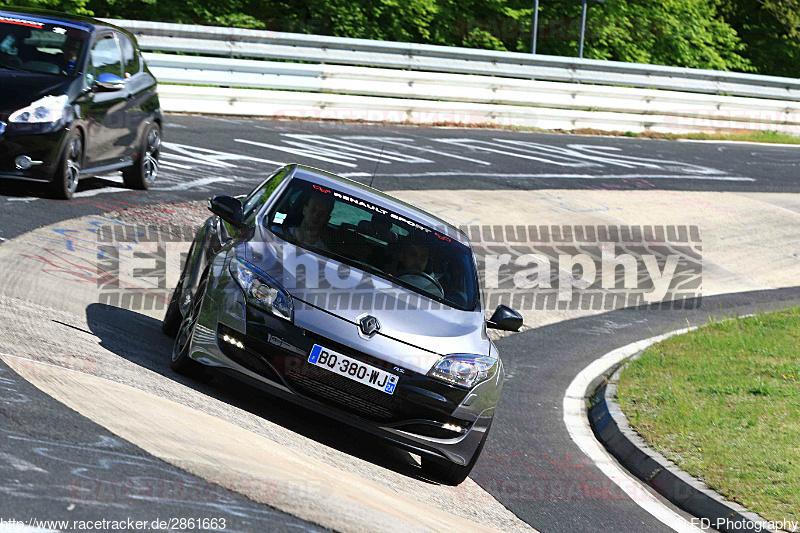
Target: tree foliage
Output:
[(770, 31), (745, 35)]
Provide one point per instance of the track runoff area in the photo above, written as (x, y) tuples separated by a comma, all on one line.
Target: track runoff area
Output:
[(567, 229)]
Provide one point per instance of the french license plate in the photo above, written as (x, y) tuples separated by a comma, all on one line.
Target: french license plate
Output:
[(352, 369)]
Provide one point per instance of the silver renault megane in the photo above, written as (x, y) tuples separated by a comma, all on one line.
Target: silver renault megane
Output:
[(349, 302)]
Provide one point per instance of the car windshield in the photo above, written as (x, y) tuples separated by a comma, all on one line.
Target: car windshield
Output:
[(39, 47), (376, 240)]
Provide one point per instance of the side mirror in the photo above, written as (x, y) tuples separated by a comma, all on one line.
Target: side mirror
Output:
[(109, 82), (228, 209), (505, 318)]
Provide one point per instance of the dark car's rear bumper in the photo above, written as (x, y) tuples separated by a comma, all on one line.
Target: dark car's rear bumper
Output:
[(43, 148)]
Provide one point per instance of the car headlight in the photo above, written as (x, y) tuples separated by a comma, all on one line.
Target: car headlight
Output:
[(47, 111), (261, 290), (464, 370)]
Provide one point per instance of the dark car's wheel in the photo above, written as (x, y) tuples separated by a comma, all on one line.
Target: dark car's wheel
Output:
[(181, 362), (447, 472), (144, 171), (173, 318), (68, 173)]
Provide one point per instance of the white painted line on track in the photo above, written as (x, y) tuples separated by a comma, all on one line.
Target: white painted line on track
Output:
[(354, 150), (551, 160), (576, 419), (25, 199), (174, 165), (207, 156), (193, 159), (405, 143), (568, 176), (20, 464), (355, 175), (311, 153)]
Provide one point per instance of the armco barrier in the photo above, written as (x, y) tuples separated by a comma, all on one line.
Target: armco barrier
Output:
[(251, 73)]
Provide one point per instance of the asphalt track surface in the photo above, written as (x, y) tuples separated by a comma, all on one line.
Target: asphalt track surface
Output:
[(411, 158), (529, 464), (57, 465)]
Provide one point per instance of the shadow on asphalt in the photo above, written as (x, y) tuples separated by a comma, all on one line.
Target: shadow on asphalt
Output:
[(27, 189), (138, 338)]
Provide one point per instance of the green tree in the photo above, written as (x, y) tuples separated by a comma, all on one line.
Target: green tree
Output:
[(745, 35), (77, 7), (770, 30), (685, 33)]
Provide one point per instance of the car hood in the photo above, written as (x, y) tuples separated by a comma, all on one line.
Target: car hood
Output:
[(21, 88), (414, 331)]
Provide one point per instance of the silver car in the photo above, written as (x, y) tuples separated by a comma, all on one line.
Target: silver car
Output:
[(351, 303)]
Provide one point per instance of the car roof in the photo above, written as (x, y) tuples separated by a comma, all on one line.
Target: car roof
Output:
[(368, 194), (87, 24)]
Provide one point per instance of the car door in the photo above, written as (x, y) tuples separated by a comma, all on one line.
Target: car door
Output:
[(138, 87), (105, 110)]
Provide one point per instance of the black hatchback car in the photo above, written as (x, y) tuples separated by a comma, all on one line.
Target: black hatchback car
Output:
[(76, 100)]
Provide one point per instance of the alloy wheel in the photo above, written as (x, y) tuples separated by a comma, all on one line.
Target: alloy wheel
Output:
[(153, 145), (73, 170)]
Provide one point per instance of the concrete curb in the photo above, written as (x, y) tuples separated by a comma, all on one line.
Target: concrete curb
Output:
[(611, 427)]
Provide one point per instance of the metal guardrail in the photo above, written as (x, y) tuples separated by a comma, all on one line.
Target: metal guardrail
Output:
[(237, 42), (509, 86)]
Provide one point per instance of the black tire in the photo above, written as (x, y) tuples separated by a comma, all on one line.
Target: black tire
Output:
[(181, 362), (173, 317), (447, 472), (144, 171), (68, 173)]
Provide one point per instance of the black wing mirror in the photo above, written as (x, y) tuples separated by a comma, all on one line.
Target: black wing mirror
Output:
[(505, 318), (229, 209)]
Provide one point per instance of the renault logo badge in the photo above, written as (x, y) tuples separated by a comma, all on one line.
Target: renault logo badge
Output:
[(369, 325)]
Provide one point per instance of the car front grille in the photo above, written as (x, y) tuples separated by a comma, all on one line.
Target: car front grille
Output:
[(347, 394), (344, 399)]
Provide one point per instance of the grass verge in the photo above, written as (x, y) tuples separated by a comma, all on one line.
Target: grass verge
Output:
[(723, 403), (747, 136)]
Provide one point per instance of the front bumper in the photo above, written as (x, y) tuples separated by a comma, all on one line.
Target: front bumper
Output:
[(423, 415), (44, 147)]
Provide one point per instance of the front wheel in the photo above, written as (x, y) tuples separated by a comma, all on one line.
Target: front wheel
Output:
[(450, 473), (68, 173), (144, 171), (173, 317)]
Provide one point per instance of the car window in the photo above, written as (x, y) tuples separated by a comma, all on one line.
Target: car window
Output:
[(377, 240), (106, 58), (130, 59), (41, 48), (259, 196)]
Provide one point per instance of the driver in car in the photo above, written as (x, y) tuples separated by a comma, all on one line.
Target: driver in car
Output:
[(411, 267), (316, 214), (412, 257)]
